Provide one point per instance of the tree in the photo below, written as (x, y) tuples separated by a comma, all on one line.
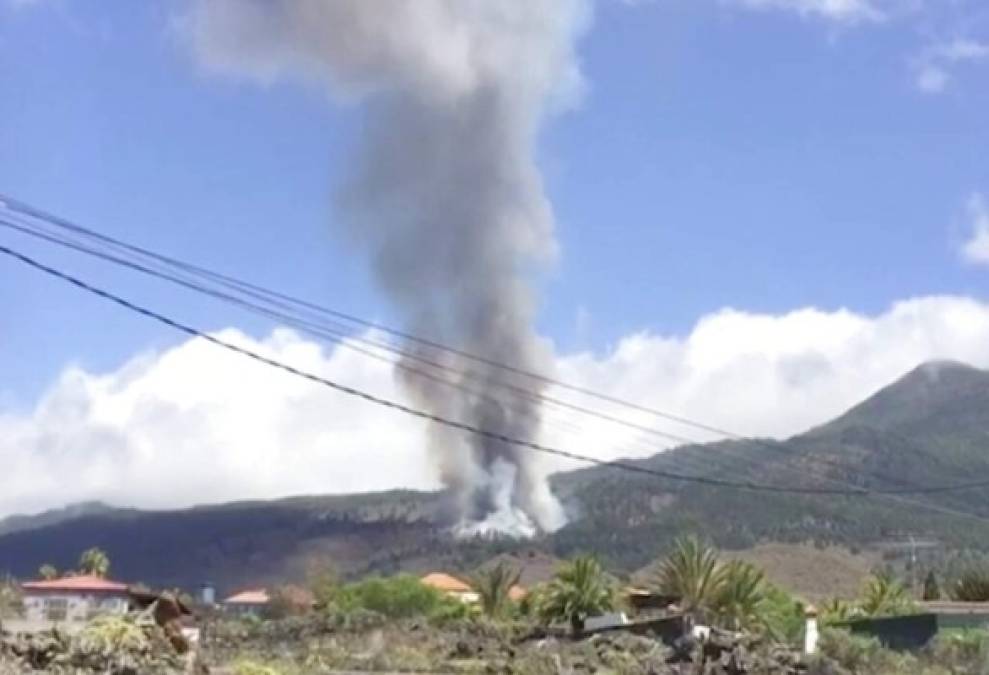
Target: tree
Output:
[(738, 599), (692, 573), (397, 597), (884, 596), (932, 591), (580, 589), (94, 561), (837, 610), (323, 582), (493, 587), (47, 572)]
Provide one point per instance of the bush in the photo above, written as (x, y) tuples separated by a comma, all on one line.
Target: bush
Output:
[(963, 651), (859, 654), (397, 597), (972, 586)]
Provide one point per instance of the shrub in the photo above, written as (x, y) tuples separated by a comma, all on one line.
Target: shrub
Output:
[(972, 585), (859, 654), (963, 651), (396, 597), (109, 634)]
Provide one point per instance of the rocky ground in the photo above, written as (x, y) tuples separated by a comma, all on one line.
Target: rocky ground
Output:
[(305, 646), (365, 643)]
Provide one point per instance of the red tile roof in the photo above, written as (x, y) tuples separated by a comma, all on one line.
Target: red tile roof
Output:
[(80, 584), (255, 596)]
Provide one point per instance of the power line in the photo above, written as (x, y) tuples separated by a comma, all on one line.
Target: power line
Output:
[(469, 428), (339, 336)]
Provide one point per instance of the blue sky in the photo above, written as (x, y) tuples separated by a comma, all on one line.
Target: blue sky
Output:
[(765, 210), (763, 160)]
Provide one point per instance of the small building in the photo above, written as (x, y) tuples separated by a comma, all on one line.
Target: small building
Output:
[(644, 601), (451, 586), (251, 602), (74, 598), (915, 631)]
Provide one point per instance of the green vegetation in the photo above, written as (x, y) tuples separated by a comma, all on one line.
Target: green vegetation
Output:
[(972, 585), (11, 603), (47, 572), (581, 589), (884, 596), (932, 590), (692, 573), (397, 597), (94, 561), (731, 595), (110, 634), (493, 587), (739, 601)]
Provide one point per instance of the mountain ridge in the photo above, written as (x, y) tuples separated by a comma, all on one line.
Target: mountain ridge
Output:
[(930, 427)]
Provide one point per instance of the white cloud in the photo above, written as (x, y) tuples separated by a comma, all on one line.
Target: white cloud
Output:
[(933, 68), (848, 11), (196, 424), (976, 249)]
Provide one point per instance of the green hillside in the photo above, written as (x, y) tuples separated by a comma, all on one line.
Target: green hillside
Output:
[(929, 428)]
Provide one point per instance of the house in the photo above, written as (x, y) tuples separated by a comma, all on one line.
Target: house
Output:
[(251, 602), (451, 586), (74, 598)]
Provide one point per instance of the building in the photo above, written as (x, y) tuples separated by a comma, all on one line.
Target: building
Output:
[(251, 602), (451, 586), (74, 598)]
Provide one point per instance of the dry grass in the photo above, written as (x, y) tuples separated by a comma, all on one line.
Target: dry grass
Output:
[(810, 572)]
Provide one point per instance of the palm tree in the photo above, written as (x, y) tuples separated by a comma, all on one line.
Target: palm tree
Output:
[(692, 573), (739, 596), (493, 587), (884, 596), (836, 610), (581, 589), (94, 561), (47, 572)]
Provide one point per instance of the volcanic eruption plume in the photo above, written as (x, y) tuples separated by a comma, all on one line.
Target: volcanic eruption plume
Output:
[(444, 193)]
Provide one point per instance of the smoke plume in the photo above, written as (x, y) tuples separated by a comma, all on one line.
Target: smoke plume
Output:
[(445, 194)]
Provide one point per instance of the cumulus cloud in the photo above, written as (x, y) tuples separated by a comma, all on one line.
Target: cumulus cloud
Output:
[(195, 424), (976, 249), (849, 11), (934, 67)]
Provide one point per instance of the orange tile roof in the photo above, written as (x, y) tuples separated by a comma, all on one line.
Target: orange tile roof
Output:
[(81, 584), (444, 582), (254, 596)]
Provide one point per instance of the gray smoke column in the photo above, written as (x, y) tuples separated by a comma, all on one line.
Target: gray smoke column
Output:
[(445, 194)]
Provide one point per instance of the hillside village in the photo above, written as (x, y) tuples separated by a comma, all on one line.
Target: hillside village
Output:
[(724, 603)]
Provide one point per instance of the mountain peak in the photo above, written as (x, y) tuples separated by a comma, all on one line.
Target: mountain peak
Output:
[(931, 390)]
